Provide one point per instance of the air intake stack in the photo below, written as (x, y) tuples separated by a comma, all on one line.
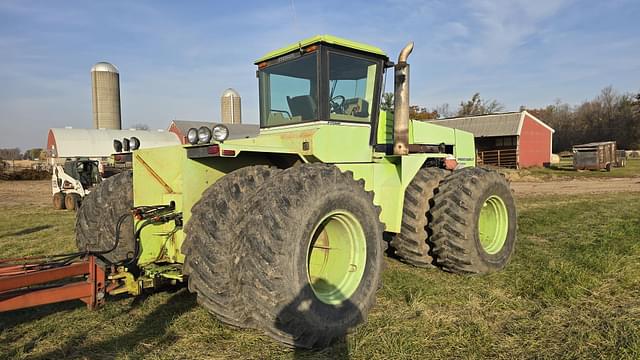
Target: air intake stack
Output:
[(105, 86), (230, 107), (401, 103)]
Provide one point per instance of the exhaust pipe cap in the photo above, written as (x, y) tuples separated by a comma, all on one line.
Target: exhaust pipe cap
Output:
[(404, 53)]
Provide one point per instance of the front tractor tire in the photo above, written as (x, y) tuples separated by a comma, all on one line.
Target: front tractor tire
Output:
[(474, 222), (313, 260), (211, 246), (97, 218), (411, 244)]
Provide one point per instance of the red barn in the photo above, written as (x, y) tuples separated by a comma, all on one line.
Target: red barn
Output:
[(515, 139)]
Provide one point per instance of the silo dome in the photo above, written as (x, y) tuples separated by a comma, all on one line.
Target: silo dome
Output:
[(105, 66), (230, 92), (105, 86), (230, 107)]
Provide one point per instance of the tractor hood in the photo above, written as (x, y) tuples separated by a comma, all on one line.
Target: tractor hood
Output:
[(321, 140)]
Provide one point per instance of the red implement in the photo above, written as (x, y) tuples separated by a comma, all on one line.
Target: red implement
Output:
[(27, 285)]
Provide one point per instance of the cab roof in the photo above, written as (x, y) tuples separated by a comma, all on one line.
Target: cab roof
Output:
[(327, 39)]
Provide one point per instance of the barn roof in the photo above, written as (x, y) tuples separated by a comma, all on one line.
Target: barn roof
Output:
[(592, 144), (66, 142), (503, 124)]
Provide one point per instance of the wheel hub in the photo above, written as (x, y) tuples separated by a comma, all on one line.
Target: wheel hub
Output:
[(336, 257), (493, 224)]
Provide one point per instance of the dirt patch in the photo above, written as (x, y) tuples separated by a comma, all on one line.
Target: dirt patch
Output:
[(36, 192), (576, 186)]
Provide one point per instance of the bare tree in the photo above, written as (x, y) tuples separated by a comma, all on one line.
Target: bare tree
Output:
[(444, 111), (422, 113), (477, 106)]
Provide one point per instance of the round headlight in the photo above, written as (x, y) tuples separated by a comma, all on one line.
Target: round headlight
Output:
[(220, 132), (135, 143), (117, 145), (204, 134), (192, 136), (125, 145)]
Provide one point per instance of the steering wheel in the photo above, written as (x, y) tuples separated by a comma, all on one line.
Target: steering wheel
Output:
[(336, 107)]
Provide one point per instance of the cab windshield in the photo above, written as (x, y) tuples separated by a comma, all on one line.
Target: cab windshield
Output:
[(302, 90)]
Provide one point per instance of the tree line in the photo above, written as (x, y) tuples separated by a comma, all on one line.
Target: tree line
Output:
[(609, 116), (15, 154)]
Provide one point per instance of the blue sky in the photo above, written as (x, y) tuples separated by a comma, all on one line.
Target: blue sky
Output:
[(176, 58)]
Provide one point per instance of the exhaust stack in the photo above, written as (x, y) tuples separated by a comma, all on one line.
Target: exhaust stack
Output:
[(401, 103)]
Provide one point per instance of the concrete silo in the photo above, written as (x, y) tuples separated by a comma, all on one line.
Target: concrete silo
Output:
[(230, 107), (105, 84)]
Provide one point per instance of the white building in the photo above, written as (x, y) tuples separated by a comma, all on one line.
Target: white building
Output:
[(63, 143)]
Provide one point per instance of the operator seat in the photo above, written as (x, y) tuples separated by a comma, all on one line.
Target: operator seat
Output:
[(303, 106), (356, 107)]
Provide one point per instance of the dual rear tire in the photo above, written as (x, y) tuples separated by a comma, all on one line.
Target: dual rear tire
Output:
[(304, 252), (473, 223), (464, 222)]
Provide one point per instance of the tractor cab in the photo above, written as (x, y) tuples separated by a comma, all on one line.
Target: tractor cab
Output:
[(309, 87), (323, 78)]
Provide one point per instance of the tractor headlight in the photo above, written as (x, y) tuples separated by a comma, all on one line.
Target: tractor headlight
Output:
[(192, 136), (220, 132), (117, 145), (125, 145), (204, 134), (135, 143)]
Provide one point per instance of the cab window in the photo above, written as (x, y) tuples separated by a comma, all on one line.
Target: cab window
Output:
[(351, 87), (289, 92)]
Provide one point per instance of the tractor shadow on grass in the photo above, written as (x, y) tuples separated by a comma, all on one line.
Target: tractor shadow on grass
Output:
[(27, 231), (14, 318), (299, 308), (153, 329)]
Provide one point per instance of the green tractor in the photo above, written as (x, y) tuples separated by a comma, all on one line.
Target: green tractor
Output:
[(283, 232)]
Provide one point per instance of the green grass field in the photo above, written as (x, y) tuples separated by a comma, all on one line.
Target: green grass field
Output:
[(572, 290), (565, 170)]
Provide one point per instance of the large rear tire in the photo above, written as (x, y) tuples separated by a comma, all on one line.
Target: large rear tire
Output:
[(474, 222), (97, 218), (411, 243), (313, 260), (211, 243)]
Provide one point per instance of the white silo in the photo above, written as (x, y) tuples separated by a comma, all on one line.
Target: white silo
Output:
[(105, 86), (230, 107)]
